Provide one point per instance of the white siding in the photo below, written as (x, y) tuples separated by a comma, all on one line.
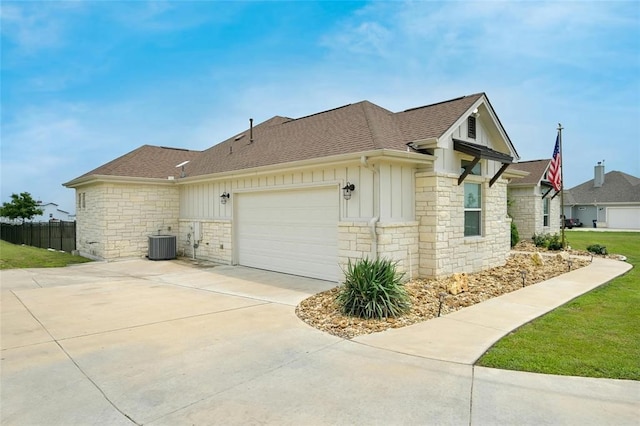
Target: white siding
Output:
[(394, 192)]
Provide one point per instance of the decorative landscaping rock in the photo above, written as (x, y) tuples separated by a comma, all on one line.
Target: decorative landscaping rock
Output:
[(459, 283), (322, 312), (537, 259)]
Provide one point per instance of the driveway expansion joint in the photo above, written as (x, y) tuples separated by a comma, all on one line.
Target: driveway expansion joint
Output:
[(73, 361)]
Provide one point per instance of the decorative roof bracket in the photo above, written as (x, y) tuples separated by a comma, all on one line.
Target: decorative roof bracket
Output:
[(468, 169), (495, 178), (478, 152)]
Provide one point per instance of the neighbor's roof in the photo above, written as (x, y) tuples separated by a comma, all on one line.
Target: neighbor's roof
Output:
[(618, 187), (145, 162), (352, 128), (536, 170)]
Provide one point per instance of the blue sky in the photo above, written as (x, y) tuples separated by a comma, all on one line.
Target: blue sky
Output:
[(85, 82)]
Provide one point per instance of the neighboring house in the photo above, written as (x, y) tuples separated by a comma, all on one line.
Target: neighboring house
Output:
[(612, 200), (533, 204), (51, 212), (425, 187)]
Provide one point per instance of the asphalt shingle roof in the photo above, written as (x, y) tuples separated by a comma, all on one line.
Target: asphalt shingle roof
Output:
[(536, 169), (617, 187), (358, 127), (432, 121), (146, 162)]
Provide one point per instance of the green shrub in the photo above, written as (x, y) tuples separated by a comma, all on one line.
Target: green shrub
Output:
[(548, 241), (597, 249), (540, 240), (373, 289), (555, 242), (515, 237)]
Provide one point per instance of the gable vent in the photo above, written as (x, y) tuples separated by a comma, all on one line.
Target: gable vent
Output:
[(471, 126)]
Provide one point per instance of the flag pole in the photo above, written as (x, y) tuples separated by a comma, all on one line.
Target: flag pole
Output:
[(561, 183)]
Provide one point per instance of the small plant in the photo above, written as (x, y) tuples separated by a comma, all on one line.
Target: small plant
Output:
[(373, 289), (597, 249), (554, 242), (540, 240), (548, 241), (515, 237)]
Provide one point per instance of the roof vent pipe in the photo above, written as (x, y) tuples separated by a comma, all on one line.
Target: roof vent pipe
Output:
[(251, 130), (598, 175)]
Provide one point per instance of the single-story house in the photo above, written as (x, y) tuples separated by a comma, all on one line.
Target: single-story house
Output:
[(611, 200), (533, 204), (426, 187)]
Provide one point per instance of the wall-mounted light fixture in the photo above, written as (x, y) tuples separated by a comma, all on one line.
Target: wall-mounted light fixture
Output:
[(225, 197), (346, 191)]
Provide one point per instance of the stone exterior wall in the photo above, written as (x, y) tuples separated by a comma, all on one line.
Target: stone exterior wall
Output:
[(399, 242), (354, 242), (115, 220), (215, 242), (527, 211), (443, 248), (394, 241), (90, 221)]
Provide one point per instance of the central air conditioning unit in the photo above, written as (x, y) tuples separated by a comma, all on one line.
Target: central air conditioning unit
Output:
[(162, 247)]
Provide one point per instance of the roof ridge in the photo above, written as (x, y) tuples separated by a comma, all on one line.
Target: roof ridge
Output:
[(317, 113), (533, 161), (373, 124), (444, 102), (175, 149)]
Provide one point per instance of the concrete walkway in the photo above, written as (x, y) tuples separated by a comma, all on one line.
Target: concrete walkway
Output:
[(463, 336), (164, 343)]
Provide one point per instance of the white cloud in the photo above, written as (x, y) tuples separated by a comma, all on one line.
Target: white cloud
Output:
[(33, 26), (369, 38)]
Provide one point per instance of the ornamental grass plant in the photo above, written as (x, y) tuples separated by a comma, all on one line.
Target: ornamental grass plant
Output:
[(373, 289)]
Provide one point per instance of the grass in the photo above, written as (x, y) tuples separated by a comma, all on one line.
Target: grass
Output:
[(14, 256), (595, 335)]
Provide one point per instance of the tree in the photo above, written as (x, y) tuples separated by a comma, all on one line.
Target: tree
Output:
[(22, 206)]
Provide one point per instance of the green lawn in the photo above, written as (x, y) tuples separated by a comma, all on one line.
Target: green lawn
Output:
[(15, 256), (595, 335)]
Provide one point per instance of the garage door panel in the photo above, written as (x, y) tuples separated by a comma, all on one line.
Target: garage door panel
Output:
[(294, 232), (623, 217)]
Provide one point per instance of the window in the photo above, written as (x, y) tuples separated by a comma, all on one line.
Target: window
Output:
[(545, 211), (472, 209), (476, 171), (471, 127), (84, 205)]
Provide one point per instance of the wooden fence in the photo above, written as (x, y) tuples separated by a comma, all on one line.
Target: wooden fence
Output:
[(54, 235)]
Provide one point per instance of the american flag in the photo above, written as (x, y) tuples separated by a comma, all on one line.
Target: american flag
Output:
[(554, 175)]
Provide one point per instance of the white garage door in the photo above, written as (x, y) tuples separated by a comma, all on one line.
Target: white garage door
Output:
[(623, 217), (293, 231)]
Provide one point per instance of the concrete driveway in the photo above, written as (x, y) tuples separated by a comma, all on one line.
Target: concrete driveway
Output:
[(166, 343)]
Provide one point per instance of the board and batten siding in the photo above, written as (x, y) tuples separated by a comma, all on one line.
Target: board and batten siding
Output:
[(393, 189), (384, 191), (448, 160)]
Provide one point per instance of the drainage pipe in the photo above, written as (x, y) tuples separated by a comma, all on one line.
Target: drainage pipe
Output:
[(376, 207)]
